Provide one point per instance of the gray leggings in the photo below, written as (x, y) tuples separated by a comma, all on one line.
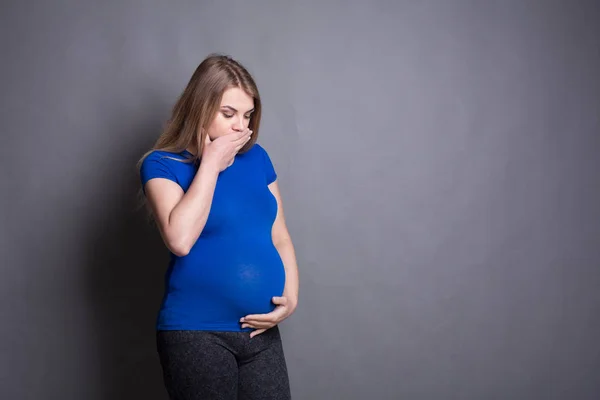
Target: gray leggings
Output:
[(211, 365)]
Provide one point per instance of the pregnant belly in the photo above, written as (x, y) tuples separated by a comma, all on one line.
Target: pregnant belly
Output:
[(222, 286)]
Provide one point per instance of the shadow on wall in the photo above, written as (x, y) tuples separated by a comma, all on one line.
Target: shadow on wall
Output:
[(126, 260)]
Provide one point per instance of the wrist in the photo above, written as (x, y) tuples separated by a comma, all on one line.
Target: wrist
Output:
[(208, 169)]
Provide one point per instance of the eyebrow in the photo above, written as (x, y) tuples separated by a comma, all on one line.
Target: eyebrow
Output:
[(234, 110)]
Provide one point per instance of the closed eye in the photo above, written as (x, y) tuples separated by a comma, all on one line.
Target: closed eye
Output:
[(247, 116), (228, 110)]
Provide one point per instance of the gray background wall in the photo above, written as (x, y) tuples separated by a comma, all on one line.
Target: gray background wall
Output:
[(439, 167)]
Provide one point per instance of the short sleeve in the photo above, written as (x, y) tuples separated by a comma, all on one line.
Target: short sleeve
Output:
[(268, 167), (155, 166)]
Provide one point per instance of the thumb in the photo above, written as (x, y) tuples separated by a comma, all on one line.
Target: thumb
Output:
[(279, 300), (207, 139)]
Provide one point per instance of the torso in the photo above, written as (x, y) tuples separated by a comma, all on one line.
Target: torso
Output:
[(233, 269)]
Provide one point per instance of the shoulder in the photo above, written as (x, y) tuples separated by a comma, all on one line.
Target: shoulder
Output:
[(162, 164), (165, 158), (263, 159), (158, 156), (256, 153), (259, 151)]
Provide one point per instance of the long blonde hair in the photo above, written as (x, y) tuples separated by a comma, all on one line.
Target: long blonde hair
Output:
[(199, 103)]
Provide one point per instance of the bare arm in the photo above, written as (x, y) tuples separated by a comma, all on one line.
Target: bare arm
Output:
[(182, 217), (286, 304), (283, 244)]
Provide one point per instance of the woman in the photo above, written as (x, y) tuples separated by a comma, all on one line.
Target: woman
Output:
[(232, 276)]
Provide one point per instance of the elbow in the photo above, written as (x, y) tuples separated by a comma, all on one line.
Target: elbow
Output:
[(179, 247), (180, 242), (180, 251), (281, 241)]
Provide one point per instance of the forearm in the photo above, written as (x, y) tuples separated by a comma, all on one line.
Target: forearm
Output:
[(189, 216), (288, 256)]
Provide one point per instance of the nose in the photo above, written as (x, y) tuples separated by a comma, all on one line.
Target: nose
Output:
[(239, 124)]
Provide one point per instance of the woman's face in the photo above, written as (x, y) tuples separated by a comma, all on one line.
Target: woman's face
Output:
[(233, 115)]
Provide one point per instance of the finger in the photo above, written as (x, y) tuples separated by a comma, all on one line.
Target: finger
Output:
[(252, 319), (242, 137), (258, 325), (256, 332), (241, 145), (269, 317), (260, 320)]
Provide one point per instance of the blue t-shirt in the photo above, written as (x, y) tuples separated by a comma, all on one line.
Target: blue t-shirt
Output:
[(233, 269)]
